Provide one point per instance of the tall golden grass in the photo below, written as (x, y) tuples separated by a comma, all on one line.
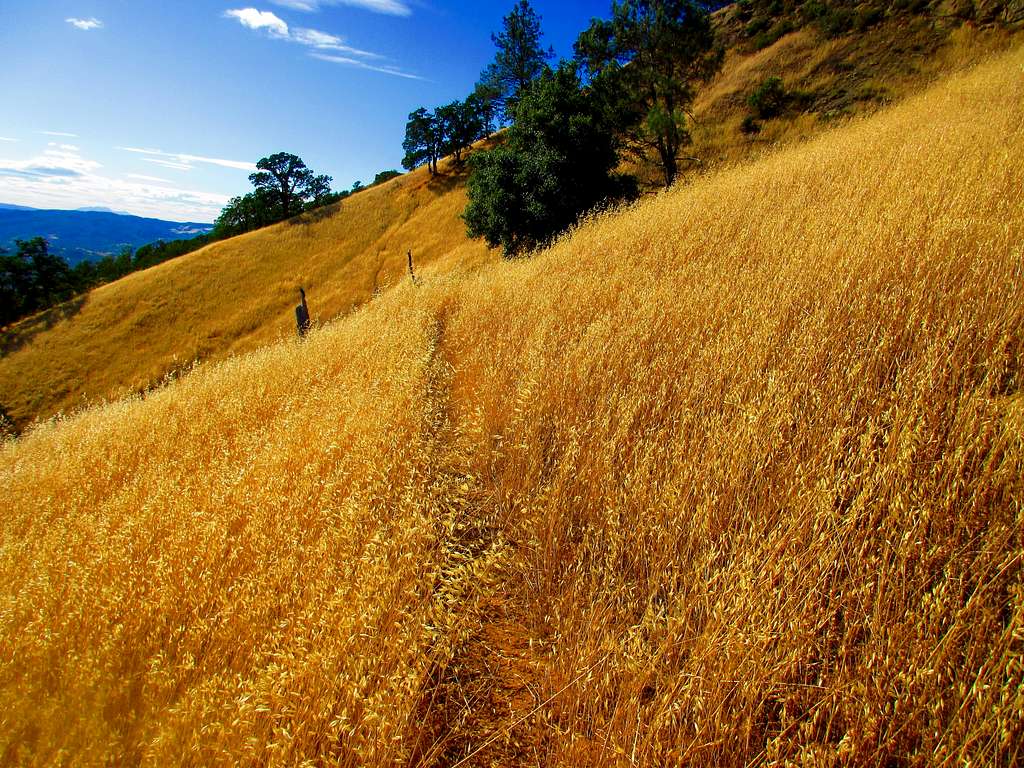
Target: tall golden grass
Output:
[(235, 295), (731, 478)]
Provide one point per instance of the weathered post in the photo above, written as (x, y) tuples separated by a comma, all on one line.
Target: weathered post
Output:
[(302, 315), (412, 273)]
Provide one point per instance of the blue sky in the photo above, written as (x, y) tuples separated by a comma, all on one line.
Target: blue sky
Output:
[(160, 108)]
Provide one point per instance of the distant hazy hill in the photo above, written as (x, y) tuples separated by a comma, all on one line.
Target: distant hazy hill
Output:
[(88, 234)]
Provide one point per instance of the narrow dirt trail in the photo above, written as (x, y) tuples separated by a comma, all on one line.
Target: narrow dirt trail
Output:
[(485, 684)]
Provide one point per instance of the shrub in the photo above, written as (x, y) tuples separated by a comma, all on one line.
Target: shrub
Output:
[(836, 21), (750, 126), (868, 17), (757, 25), (768, 99), (773, 35)]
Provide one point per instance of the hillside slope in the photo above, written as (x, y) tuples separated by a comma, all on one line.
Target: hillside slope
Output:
[(730, 478), (231, 296), (238, 295)]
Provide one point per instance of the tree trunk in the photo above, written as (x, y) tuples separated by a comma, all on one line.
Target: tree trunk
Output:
[(668, 164)]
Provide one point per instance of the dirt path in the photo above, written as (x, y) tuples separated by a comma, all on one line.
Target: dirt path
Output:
[(478, 704)]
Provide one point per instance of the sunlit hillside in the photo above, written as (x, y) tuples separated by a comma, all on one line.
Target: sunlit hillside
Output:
[(233, 296), (731, 478), (827, 80), (238, 295)]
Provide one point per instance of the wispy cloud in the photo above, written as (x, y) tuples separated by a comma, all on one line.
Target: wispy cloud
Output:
[(184, 162), (169, 164), (85, 24), (350, 62), (323, 41), (4, 138), (389, 7), (144, 177), (323, 45), (60, 177), (60, 133)]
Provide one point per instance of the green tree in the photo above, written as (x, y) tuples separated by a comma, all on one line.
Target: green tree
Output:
[(556, 164), (520, 58), (385, 176), (485, 99), (287, 176), (422, 141), (245, 213), (645, 63), (459, 124), (32, 279)]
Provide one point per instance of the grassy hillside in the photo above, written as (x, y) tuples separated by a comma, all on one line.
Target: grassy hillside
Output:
[(238, 295), (232, 296), (828, 79), (733, 477)]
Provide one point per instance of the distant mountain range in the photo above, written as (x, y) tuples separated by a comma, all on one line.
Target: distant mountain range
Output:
[(89, 233)]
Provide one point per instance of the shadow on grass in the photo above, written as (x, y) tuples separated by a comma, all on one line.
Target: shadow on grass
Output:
[(21, 333), (316, 215), (443, 183)]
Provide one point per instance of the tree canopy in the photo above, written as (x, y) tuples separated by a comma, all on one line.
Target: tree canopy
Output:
[(284, 187), (644, 63), (422, 141), (286, 176), (556, 164), (520, 59)]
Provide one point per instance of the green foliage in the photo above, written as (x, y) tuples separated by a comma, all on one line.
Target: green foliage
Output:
[(257, 209), (286, 176), (555, 165), (449, 130), (384, 176), (750, 126), (156, 253), (32, 279), (769, 98), (422, 141), (486, 100), (771, 36), (459, 125), (644, 63), (520, 58)]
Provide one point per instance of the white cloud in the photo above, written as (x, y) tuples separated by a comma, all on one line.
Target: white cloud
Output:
[(85, 24), (254, 19), (57, 162), (324, 45), (388, 7), (60, 133), (350, 62), (184, 162), (4, 138), (61, 178)]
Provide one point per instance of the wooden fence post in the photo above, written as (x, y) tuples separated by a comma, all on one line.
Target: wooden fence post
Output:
[(302, 315), (412, 273)]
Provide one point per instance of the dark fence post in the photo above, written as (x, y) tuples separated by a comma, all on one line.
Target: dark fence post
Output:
[(302, 315), (412, 273)]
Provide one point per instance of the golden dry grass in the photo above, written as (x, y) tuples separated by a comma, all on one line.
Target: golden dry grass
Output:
[(235, 295), (850, 76), (731, 478)]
